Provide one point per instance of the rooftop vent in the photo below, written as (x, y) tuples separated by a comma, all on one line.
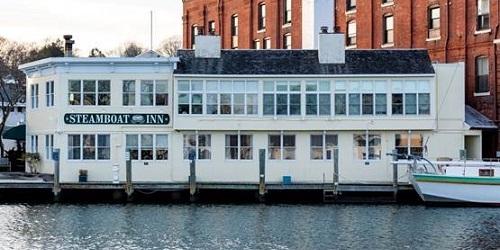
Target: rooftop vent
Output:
[(68, 45)]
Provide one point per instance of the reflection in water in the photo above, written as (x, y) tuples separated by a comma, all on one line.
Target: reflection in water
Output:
[(246, 227)]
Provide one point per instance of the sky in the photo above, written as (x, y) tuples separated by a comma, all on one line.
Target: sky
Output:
[(105, 24)]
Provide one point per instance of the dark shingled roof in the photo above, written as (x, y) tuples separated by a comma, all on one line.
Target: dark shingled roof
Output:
[(305, 62), (476, 120)]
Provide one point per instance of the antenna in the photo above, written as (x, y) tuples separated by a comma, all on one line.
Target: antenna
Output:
[(151, 32)]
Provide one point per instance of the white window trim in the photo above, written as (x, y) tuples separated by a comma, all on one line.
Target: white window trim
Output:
[(49, 146), (96, 93), (139, 146), (477, 94), (485, 31), (387, 4), (282, 146), (196, 147), (325, 150), (138, 101), (96, 146), (239, 134), (367, 147)]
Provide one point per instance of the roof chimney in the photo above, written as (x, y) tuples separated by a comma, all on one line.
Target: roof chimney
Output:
[(331, 47), (207, 46), (68, 45)]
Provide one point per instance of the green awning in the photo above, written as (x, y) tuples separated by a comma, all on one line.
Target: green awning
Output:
[(17, 133)]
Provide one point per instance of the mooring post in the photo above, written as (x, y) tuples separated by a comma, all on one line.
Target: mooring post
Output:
[(395, 174), (262, 174), (129, 188), (57, 173), (192, 175), (335, 156)]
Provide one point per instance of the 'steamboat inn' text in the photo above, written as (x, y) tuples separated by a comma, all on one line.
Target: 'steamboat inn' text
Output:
[(226, 105)]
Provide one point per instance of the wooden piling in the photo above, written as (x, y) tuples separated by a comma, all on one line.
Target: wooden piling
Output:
[(129, 188), (192, 176), (335, 156), (262, 174), (57, 174), (395, 185)]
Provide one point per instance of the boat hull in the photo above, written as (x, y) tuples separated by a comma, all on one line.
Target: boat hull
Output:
[(457, 189)]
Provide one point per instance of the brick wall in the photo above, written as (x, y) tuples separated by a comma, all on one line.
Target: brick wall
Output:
[(200, 12)]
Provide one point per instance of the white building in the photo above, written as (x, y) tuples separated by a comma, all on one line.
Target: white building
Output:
[(298, 105)]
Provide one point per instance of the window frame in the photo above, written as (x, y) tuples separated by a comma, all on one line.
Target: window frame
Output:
[(49, 93), (388, 35), (261, 16), (366, 148), (287, 41), (238, 147), (234, 31), (433, 23), (139, 146), (351, 37), (282, 147), (482, 81), (197, 146), (324, 148), (96, 92), (483, 16), (287, 12), (82, 147), (49, 146)]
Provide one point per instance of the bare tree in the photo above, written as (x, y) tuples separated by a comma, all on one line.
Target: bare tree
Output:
[(131, 49), (12, 80), (170, 46), (95, 52)]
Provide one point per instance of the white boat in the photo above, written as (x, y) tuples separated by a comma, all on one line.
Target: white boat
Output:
[(455, 181)]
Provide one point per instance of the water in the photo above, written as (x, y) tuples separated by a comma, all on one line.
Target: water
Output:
[(54, 226)]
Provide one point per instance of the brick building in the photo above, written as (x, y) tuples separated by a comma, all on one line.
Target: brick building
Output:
[(257, 24), (452, 31)]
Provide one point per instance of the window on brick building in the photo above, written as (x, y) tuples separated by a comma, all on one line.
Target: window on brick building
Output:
[(256, 44), (482, 72), (287, 13), (434, 22), (387, 1), (194, 33), (267, 43), (234, 31), (211, 27), (483, 14), (287, 41), (388, 30), (261, 25), (350, 5), (351, 33)]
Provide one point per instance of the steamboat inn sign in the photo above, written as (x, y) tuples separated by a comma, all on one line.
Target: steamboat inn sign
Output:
[(116, 119)]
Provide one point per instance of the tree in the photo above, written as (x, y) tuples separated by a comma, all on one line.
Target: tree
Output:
[(170, 46), (131, 49), (95, 52), (12, 80)]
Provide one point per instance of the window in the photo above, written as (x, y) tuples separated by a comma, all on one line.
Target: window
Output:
[(190, 97), (34, 143), (322, 146), (261, 20), (200, 143), (388, 30), (267, 43), (354, 104), (409, 143), (239, 147), (318, 99), (34, 96), (211, 27), (154, 93), (434, 22), (482, 73), (281, 98), (373, 146), (281, 147), (483, 15), (487, 172), (256, 44), (49, 146), (194, 33), (84, 147), (128, 89), (411, 98), (350, 5), (232, 97), (234, 31), (340, 104), (90, 92), (387, 1), (287, 13), (351, 33), (147, 146), (287, 41), (49, 93)]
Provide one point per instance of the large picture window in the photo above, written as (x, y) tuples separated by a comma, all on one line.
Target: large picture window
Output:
[(147, 146), (239, 147), (201, 144), (282, 98), (89, 92), (411, 98), (154, 93), (232, 97), (322, 146), (367, 146), (85, 147), (281, 147)]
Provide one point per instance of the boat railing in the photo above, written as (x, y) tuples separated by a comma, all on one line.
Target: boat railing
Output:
[(416, 163)]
